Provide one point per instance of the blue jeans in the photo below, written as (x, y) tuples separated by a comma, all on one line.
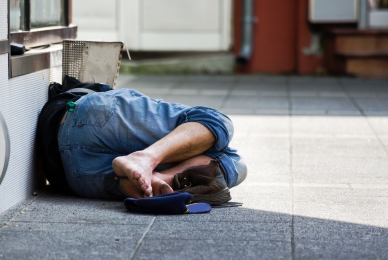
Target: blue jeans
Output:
[(109, 124)]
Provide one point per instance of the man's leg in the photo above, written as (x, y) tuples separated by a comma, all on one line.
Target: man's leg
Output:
[(165, 177), (162, 182), (184, 142)]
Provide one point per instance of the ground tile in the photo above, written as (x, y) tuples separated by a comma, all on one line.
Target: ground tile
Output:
[(268, 156), (209, 78), (361, 205), (220, 231), (322, 103), (271, 78), (259, 142), (335, 170), (264, 172), (268, 197), (185, 91), (214, 92), (331, 126), (367, 147), (241, 214), (379, 124), (275, 125), (326, 239), (210, 249), (375, 113), (331, 93), (372, 104), (22, 240), (257, 103), (62, 209), (244, 91), (384, 140)]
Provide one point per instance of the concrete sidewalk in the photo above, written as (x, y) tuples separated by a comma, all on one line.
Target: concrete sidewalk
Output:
[(317, 185)]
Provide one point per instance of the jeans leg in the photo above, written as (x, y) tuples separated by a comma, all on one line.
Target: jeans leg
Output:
[(232, 164)]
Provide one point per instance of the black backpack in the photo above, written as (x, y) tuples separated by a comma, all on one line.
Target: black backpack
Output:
[(49, 122)]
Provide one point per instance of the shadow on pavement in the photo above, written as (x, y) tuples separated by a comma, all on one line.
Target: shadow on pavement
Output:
[(68, 227)]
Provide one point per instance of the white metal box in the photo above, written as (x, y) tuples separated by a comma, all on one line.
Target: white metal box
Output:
[(378, 19), (333, 11)]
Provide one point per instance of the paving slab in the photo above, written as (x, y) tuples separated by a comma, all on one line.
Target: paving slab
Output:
[(274, 125), (366, 205), (209, 249), (312, 79), (259, 89), (65, 209), (349, 147), (26, 240), (336, 170), (257, 102), (331, 126), (379, 124), (372, 103), (325, 239), (384, 141), (322, 103), (260, 142), (221, 231)]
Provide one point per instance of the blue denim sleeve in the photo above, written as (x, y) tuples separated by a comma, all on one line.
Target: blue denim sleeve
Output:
[(218, 123)]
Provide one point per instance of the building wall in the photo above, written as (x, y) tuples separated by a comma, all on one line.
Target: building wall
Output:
[(157, 25), (280, 35), (3, 19), (21, 99)]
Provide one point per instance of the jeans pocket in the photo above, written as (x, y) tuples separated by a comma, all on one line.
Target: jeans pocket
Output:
[(96, 109)]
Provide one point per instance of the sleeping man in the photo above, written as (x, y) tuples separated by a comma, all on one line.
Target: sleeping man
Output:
[(121, 143)]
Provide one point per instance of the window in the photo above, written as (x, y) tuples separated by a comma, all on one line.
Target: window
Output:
[(34, 14), (40, 22), (37, 23)]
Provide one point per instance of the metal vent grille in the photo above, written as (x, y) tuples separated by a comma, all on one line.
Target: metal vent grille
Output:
[(90, 61), (72, 59)]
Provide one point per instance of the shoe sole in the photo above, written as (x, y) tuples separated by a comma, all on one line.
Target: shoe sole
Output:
[(213, 199)]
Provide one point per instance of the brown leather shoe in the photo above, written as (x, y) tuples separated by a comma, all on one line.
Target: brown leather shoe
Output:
[(205, 182)]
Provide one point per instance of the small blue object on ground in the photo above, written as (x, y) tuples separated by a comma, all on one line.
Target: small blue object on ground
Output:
[(166, 204)]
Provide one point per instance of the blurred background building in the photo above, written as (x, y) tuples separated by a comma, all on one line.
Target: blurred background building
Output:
[(265, 36)]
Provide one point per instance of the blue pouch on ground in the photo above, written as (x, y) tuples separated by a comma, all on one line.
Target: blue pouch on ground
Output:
[(166, 204)]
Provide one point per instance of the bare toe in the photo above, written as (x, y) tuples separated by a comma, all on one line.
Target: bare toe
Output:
[(160, 187), (166, 189)]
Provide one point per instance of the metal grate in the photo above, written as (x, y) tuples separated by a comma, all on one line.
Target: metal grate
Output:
[(90, 61), (72, 59)]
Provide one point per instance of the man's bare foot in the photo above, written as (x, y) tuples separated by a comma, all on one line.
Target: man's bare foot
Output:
[(129, 189), (160, 187), (138, 167)]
